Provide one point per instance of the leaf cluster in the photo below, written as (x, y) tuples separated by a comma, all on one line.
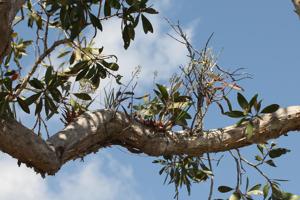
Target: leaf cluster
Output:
[(168, 106), (249, 111), (183, 171)]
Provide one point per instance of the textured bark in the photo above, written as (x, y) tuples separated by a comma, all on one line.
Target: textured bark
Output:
[(8, 11), (95, 130)]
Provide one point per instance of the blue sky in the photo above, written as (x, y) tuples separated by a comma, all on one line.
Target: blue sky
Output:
[(261, 36)]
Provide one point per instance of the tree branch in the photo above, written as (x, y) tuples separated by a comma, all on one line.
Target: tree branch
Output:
[(8, 11), (95, 130)]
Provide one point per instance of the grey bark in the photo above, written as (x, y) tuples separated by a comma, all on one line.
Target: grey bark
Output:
[(95, 130), (8, 11)]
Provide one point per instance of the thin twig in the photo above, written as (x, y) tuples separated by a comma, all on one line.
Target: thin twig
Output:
[(211, 189), (36, 64)]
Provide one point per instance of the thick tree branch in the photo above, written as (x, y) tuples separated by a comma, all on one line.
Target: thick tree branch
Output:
[(8, 11), (22, 144), (95, 130)]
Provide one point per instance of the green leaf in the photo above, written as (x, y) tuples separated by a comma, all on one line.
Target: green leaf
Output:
[(63, 54), (83, 96), (113, 66), (253, 100), (235, 114), (256, 187), (266, 190), (163, 91), (129, 32), (271, 163), (221, 108), (72, 58), (257, 106), (151, 11), (258, 158), (249, 130), (228, 103), (224, 189), (10, 72), (147, 26), (92, 71), (27, 42), (126, 38), (49, 106), (261, 148), (274, 153), (8, 83), (136, 21), (235, 196), (37, 84), (55, 93), (270, 109), (30, 100), (247, 183), (78, 66), (81, 74), (48, 74), (96, 22), (95, 81), (255, 192), (242, 101), (289, 196), (23, 105)]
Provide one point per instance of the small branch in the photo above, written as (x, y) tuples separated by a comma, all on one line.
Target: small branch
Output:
[(36, 64), (238, 171), (211, 188), (257, 169)]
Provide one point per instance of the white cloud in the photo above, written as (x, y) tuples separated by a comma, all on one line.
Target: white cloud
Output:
[(101, 178), (153, 52)]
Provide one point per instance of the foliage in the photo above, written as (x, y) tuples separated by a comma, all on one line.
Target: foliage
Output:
[(250, 111), (68, 89), (51, 91), (182, 171), (170, 108)]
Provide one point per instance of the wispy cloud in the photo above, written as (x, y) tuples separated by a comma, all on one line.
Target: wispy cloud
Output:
[(101, 178), (156, 52)]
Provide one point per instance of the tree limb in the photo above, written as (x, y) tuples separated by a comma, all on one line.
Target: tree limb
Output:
[(8, 11), (95, 130)]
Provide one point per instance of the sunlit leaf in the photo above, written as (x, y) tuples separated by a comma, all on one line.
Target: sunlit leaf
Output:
[(235, 196)]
